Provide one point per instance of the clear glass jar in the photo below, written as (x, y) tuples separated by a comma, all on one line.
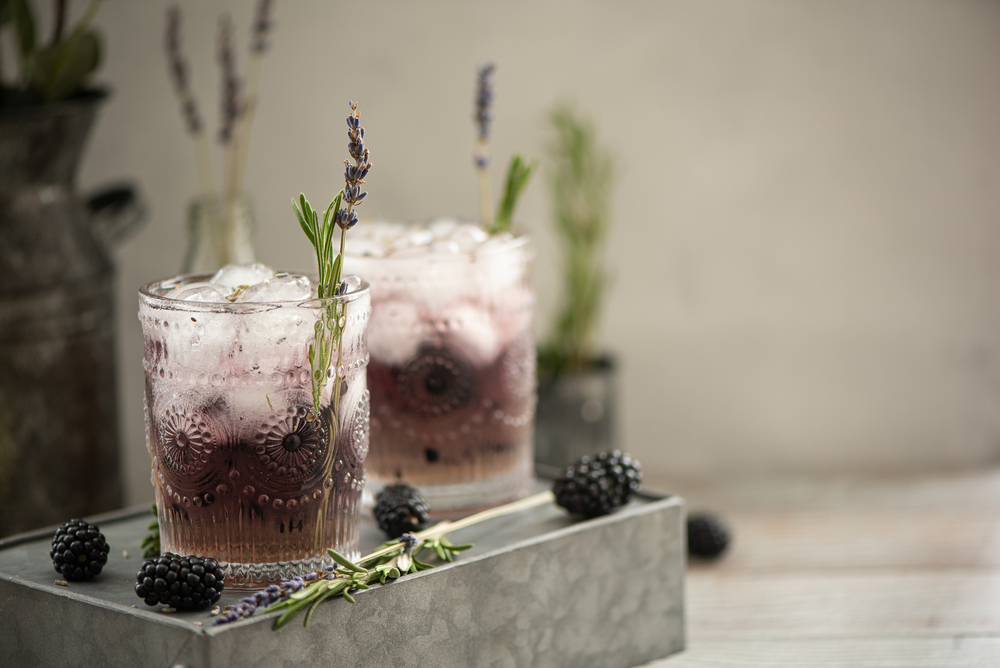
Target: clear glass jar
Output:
[(219, 233), (244, 469), (452, 373)]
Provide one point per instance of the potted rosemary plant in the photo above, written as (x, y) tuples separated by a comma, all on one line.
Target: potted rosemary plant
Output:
[(576, 391), (58, 423)]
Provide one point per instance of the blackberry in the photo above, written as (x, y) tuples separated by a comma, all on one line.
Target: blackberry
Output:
[(597, 485), (183, 583), (400, 509), (79, 550), (708, 536)]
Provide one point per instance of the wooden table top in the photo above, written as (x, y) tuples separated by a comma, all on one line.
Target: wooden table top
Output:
[(886, 573)]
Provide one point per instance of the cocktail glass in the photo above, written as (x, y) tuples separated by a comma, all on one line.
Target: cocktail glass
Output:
[(452, 372), (245, 469)]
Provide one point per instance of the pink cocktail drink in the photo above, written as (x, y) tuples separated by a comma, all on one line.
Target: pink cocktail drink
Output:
[(246, 469)]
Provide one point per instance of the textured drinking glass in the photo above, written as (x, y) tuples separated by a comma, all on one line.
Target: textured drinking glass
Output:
[(452, 373), (243, 468)]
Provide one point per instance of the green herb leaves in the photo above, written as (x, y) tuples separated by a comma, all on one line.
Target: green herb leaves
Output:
[(519, 173)]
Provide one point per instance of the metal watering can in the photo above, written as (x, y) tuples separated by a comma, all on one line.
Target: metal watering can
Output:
[(58, 414)]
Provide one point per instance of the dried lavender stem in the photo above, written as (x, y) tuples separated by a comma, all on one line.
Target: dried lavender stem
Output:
[(204, 161), (485, 193), (244, 125)]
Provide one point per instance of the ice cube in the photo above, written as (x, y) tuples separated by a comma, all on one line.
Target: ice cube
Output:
[(201, 293), (418, 237), (235, 275), (288, 288), (412, 251), (442, 228), (468, 236), (365, 247), (445, 247), (395, 332), (472, 330)]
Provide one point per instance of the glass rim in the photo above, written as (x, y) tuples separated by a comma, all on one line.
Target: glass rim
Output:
[(149, 298)]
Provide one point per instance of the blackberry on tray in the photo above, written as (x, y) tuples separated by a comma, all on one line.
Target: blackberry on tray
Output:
[(79, 550), (400, 509), (596, 485), (183, 583)]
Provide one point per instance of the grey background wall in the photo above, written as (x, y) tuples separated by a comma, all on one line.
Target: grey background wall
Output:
[(807, 247)]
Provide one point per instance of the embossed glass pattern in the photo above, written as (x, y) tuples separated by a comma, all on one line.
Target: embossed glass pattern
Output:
[(243, 468), (452, 373)]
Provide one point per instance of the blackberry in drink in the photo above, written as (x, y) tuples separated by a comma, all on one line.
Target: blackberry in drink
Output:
[(452, 371), (246, 468)]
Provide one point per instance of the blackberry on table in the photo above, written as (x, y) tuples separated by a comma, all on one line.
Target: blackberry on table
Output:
[(183, 583), (79, 550), (400, 509), (596, 485), (708, 536)]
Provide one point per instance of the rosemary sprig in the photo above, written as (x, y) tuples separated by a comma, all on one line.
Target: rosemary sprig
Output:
[(519, 173), (391, 560), (329, 328), (152, 541)]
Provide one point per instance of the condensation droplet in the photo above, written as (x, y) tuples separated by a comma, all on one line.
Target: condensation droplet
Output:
[(278, 504), (248, 490), (263, 499)]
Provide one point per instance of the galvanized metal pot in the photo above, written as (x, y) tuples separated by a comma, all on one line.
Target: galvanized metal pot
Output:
[(576, 414), (58, 420)]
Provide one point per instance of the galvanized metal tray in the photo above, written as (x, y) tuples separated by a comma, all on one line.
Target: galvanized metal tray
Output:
[(538, 589)]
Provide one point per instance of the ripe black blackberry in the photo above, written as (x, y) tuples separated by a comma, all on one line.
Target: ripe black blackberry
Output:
[(79, 550), (708, 536), (183, 583), (597, 485), (400, 509)]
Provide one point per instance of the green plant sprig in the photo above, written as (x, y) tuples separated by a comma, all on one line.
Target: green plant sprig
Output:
[(58, 70), (329, 328), (519, 173), (151, 542), (581, 182), (392, 560)]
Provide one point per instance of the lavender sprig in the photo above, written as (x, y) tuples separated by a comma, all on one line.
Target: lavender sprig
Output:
[(179, 74), (391, 560), (179, 71), (483, 117), (262, 25), (354, 174), (329, 329), (232, 105)]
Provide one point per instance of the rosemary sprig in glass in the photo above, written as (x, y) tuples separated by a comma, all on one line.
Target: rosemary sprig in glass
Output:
[(391, 560), (329, 328)]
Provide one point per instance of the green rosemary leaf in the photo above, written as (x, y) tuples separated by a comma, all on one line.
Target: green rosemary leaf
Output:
[(460, 548), (421, 565), (519, 173), (348, 597), (306, 227), (393, 573), (442, 555), (345, 562)]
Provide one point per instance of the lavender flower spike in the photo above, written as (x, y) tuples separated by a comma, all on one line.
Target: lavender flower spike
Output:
[(232, 105), (268, 596), (262, 25), (484, 100), (355, 174), (179, 71)]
